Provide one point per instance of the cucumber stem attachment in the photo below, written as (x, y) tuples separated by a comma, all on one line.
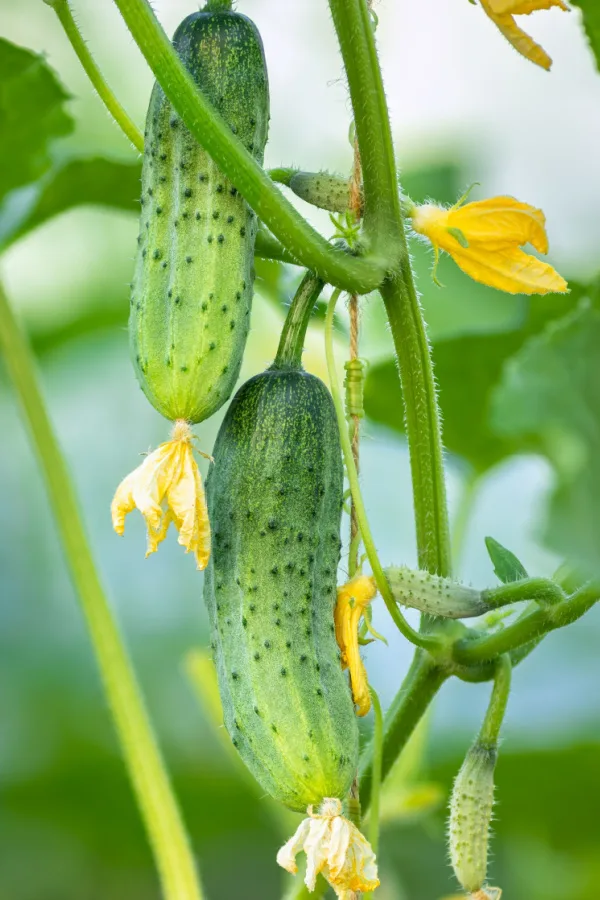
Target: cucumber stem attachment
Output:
[(426, 641), (293, 334), (116, 110), (142, 756)]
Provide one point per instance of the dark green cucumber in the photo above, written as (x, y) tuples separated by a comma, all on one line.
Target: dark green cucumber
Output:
[(274, 496), (192, 289)]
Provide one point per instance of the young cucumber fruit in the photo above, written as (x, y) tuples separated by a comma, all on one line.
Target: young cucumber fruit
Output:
[(274, 496), (192, 287)]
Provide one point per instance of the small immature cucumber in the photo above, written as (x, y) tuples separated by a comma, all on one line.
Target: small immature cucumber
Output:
[(470, 816), (322, 189), (274, 495), (192, 288)]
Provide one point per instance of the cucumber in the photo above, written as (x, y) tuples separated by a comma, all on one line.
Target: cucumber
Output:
[(192, 289), (471, 808), (274, 496)]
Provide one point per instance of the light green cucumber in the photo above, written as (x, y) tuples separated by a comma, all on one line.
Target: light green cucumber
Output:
[(192, 289)]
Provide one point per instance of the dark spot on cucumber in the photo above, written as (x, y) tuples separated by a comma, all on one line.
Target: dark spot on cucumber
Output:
[(188, 259), (177, 300), (252, 607), (275, 570), (232, 325), (242, 231), (274, 728), (283, 671), (238, 296), (210, 238), (156, 254), (221, 238), (319, 692), (288, 644), (212, 345), (229, 220), (164, 264), (278, 622), (158, 210), (257, 656), (204, 306), (233, 192), (187, 192), (216, 214), (219, 189), (183, 368), (163, 156), (303, 657), (198, 216), (300, 536), (202, 177), (174, 122), (257, 711), (224, 308), (235, 675), (267, 645)]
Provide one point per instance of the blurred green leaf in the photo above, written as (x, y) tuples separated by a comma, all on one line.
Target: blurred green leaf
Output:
[(467, 369), (31, 116), (591, 20), (507, 567), (549, 402), (76, 182)]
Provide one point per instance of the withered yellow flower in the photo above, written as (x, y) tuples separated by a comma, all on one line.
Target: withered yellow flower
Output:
[(166, 488), (502, 13), (335, 848), (484, 238), (352, 600)]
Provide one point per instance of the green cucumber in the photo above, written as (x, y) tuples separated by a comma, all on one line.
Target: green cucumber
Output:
[(274, 495), (192, 289)]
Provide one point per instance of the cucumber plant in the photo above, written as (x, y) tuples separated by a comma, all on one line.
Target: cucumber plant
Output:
[(275, 490)]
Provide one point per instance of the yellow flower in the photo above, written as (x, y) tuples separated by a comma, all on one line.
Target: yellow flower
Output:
[(484, 239), (352, 600), (166, 488), (335, 848), (502, 13)]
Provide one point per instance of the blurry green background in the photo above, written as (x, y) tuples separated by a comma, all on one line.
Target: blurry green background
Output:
[(465, 108)]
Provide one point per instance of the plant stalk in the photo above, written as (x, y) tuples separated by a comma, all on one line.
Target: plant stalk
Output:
[(293, 334), (150, 781)]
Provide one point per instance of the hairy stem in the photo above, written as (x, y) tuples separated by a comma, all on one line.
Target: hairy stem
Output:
[(529, 627), (118, 113), (422, 682), (431, 642), (212, 132), (423, 426), (149, 778), (376, 770), (490, 729), (293, 334), (382, 215)]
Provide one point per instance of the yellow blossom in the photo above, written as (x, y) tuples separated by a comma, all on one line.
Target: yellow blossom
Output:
[(166, 488), (335, 848), (502, 13), (484, 239), (352, 600)]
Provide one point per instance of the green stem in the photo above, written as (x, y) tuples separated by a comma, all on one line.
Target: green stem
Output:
[(293, 334), (282, 175), (430, 642), (384, 228), (149, 778), (423, 426), (421, 684), (382, 214), (268, 247), (529, 627), (463, 514), (543, 590), (490, 729), (376, 770), (213, 133), (125, 123)]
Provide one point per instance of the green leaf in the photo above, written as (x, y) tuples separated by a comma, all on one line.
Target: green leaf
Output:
[(549, 401), (467, 369), (591, 20), (77, 182), (31, 116), (507, 567)]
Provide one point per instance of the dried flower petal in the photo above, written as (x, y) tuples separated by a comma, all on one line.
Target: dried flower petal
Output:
[(352, 600), (166, 488), (335, 848)]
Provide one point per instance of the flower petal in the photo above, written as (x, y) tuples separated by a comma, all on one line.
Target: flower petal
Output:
[(286, 857), (520, 40), (315, 847), (352, 598), (500, 219), (524, 7), (509, 269)]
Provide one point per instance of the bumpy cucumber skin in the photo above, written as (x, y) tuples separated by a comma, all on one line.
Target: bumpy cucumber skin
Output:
[(471, 808), (192, 289), (275, 496), (322, 189)]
